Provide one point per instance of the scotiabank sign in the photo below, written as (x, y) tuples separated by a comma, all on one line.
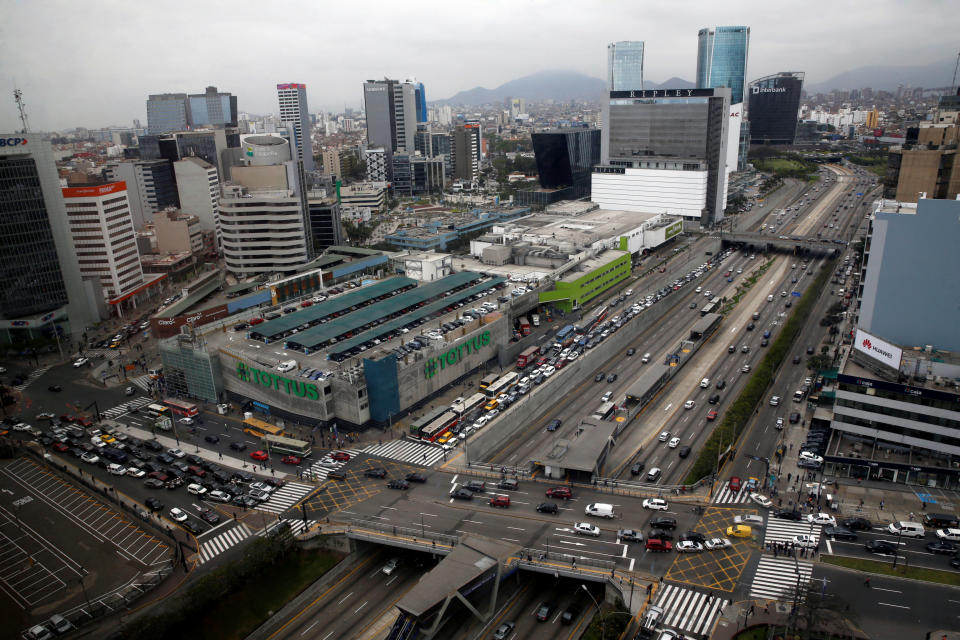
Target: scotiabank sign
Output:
[(271, 380), (91, 192), (878, 349), (455, 355)]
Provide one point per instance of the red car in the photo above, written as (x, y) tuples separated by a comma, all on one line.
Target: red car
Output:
[(254, 321), (259, 455), (711, 415), (67, 418), (560, 492), (306, 303), (500, 501), (85, 422), (657, 544), (340, 456), (291, 460), (59, 446), (734, 484)]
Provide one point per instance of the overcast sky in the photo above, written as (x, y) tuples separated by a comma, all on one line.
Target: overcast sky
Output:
[(92, 64)]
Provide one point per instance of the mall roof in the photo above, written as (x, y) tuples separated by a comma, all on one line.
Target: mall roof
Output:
[(275, 329), (315, 337), (581, 449), (242, 287), (182, 305), (422, 312)]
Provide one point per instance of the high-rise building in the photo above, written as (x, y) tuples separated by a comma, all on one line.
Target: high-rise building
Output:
[(151, 186), (625, 65), (103, 237), (420, 95), (465, 147), (664, 151), (773, 107), (177, 231), (331, 161), (213, 108), (722, 59), (198, 185), (927, 163), (324, 223), (391, 108), (40, 282), (168, 112), (565, 158), (293, 110)]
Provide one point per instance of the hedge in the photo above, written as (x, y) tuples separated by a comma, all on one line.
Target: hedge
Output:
[(736, 417)]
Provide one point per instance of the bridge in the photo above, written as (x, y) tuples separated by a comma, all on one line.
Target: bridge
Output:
[(796, 245)]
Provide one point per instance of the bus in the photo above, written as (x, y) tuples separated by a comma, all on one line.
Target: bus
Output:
[(527, 356), (564, 332), (181, 407), (486, 381), (505, 383), (710, 307), (158, 411), (598, 317), (468, 406), (438, 427), (604, 411), (417, 425), (287, 446), (259, 428)]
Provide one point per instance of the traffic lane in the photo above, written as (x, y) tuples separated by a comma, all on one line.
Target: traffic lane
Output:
[(911, 552), (512, 599), (890, 607), (560, 593)]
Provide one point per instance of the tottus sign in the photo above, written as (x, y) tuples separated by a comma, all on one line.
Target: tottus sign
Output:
[(291, 386), (455, 355)]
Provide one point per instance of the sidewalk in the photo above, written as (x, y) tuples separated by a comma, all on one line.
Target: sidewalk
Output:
[(737, 617)]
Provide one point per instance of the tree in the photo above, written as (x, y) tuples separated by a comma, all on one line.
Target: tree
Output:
[(819, 362)]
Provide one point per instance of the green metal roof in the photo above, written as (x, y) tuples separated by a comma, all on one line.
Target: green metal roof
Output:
[(320, 262), (319, 335), (273, 329), (407, 318)]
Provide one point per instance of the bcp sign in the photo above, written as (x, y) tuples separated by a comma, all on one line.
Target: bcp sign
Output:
[(12, 142)]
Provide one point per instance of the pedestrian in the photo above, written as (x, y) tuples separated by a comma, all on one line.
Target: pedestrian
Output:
[(923, 505), (866, 583), (881, 505)]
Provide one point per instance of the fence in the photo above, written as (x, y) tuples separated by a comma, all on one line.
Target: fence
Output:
[(418, 535)]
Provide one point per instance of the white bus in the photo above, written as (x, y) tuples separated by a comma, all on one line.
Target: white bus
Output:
[(505, 383), (465, 407)]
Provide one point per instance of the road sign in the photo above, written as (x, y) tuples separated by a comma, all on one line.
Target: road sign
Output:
[(795, 294)]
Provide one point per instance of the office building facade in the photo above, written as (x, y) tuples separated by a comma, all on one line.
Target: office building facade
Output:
[(378, 164), (324, 223), (566, 157), (722, 59), (465, 146), (151, 186), (928, 163), (46, 288), (773, 107), (420, 95), (292, 97), (198, 185), (212, 108), (168, 112), (625, 65)]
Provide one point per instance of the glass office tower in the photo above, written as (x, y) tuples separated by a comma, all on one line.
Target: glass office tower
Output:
[(722, 59), (774, 108), (625, 65)]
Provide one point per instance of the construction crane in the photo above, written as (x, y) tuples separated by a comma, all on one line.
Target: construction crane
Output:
[(18, 97)]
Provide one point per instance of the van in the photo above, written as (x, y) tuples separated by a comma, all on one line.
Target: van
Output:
[(599, 509), (287, 365), (654, 474), (651, 620), (906, 529), (645, 359), (941, 520), (770, 298)]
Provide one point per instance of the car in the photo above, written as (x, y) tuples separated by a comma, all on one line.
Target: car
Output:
[(340, 456), (658, 544), (289, 459), (196, 489), (637, 468), (794, 417), (238, 446), (599, 377), (688, 546), (711, 415), (209, 515), (193, 527), (823, 519), (60, 447), (880, 546), (774, 401), (178, 515), (745, 369), (187, 421), (504, 631), (761, 500), (839, 533), (176, 453), (462, 494), (674, 443), (861, 524), (739, 531), (664, 436), (734, 484), (153, 504), (544, 610), (398, 484), (629, 535), (260, 495), (90, 458), (415, 477), (612, 377), (655, 504), (631, 351), (79, 362), (689, 404), (942, 547), (134, 472), (259, 456), (787, 514), (663, 522), (812, 457), (375, 472), (548, 507), (55, 387), (559, 492), (805, 540), (218, 496), (586, 529), (500, 501), (554, 424), (475, 485), (717, 543)]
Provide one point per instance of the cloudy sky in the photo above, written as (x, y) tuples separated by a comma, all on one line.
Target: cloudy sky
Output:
[(92, 63)]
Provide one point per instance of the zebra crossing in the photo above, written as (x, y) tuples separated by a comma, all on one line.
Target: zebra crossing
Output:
[(407, 451), (688, 610), (779, 578), (297, 526), (726, 496), (285, 497), (36, 373), (143, 382), (121, 409), (321, 468), (784, 530), (209, 549)]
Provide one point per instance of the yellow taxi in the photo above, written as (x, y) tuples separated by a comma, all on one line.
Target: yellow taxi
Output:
[(109, 439), (739, 531)]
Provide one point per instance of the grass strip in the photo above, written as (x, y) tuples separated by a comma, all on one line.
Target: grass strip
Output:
[(886, 569)]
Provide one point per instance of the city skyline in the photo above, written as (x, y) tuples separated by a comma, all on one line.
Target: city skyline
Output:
[(107, 89)]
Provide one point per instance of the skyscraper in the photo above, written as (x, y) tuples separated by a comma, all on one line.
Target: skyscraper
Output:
[(625, 65), (421, 95), (465, 147), (213, 108), (722, 59), (774, 107), (168, 112), (293, 109), (565, 158), (391, 108)]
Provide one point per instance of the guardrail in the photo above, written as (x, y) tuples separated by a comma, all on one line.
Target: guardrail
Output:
[(441, 542)]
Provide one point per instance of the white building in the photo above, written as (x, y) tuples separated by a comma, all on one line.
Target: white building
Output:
[(103, 236), (293, 110), (198, 184), (672, 191)]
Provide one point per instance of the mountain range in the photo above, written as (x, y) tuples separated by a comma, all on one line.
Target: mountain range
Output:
[(549, 85), (886, 77)]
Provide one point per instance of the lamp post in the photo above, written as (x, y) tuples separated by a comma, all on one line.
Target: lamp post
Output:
[(603, 629)]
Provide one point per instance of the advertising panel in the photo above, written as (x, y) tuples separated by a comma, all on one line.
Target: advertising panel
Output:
[(878, 349), (167, 327)]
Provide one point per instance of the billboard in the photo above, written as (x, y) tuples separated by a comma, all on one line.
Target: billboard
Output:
[(878, 349), (99, 190)]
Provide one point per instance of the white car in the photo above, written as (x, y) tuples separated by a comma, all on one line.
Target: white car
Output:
[(178, 515), (196, 489), (21, 426), (79, 362), (90, 458), (185, 420), (761, 500), (774, 401), (688, 546), (587, 529), (176, 453), (689, 404), (664, 436), (133, 472), (674, 443), (493, 413), (219, 496), (811, 456), (718, 543), (698, 289), (745, 369), (262, 486), (482, 420), (952, 535), (805, 540), (117, 469), (824, 519), (779, 424), (548, 371), (655, 504)]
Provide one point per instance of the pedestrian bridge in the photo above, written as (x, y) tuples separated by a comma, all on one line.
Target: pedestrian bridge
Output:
[(796, 245)]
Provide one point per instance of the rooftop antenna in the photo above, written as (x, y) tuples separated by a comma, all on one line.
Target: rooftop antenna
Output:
[(18, 97)]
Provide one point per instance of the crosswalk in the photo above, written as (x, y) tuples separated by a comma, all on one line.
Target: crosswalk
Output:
[(688, 610), (36, 373), (779, 530), (407, 451), (777, 578), (726, 496), (142, 381), (297, 526), (209, 549), (121, 409), (285, 497), (322, 467)]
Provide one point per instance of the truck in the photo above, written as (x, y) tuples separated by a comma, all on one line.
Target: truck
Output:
[(525, 327), (535, 318), (527, 356)]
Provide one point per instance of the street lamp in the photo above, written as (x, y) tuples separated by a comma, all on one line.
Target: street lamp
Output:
[(603, 630)]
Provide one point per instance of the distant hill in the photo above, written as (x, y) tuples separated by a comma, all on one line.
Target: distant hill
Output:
[(932, 75), (549, 85)]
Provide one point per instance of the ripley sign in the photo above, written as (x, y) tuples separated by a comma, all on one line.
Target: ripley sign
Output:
[(455, 355), (291, 386)]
